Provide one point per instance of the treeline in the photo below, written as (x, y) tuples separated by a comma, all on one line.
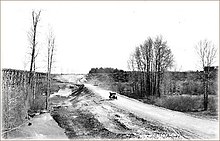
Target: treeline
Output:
[(190, 83), (149, 74), (117, 74), (174, 82)]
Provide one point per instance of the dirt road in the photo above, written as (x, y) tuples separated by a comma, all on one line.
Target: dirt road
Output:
[(196, 127), (91, 115)]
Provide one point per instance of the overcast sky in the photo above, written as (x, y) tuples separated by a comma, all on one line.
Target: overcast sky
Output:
[(104, 34)]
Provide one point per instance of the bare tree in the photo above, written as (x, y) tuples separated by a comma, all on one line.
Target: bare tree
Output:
[(32, 38), (206, 52), (147, 58), (163, 61), (50, 54), (32, 34), (131, 62), (140, 68), (151, 60), (132, 75)]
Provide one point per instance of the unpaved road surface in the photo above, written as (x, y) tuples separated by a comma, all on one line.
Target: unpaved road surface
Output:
[(90, 114), (195, 127)]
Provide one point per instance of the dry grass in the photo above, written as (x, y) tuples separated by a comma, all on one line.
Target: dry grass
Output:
[(180, 103), (186, 103)]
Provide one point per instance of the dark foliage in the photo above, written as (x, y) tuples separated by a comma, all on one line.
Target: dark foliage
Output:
[(116, 74)]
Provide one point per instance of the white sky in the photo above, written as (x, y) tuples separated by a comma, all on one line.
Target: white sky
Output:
[(103, 34)]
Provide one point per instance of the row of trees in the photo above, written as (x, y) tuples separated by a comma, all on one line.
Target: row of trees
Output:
[(148, 62), (23, 91), (104, 70), (33, 40), (151, 60), (191, 83), (149, 75)]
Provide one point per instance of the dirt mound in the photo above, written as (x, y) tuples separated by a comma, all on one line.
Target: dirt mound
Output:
[(91, 117), (83, 125), (80, 123)]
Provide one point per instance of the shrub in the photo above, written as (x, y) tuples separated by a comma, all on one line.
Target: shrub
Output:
[(180, 103), (213, 104)]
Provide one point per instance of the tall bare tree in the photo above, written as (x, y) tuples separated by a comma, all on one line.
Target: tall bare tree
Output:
[(163, 61), (147, 59), (131, 62), (50, 54), (32, 36), (206, 52), (132, 75), (151, 60)]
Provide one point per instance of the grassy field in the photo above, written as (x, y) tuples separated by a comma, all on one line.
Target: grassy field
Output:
[(186, 103)]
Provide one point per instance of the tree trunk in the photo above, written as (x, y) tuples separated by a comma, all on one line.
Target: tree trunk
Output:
[(158, 85), (159, 69), (34, 85), (33, 51), (205, 92)]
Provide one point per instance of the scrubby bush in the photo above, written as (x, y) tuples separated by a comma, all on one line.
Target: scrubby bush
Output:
[(192, 87), (180, 103), (213, 104)]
